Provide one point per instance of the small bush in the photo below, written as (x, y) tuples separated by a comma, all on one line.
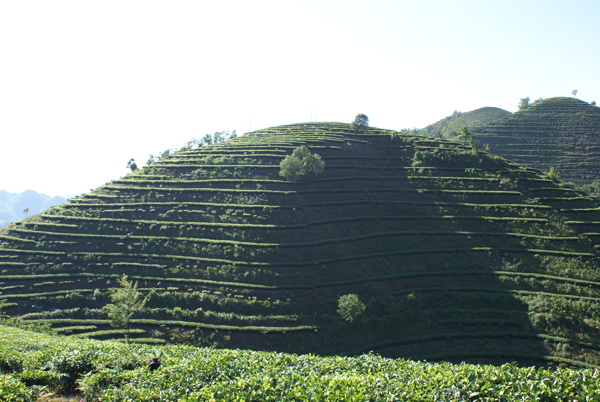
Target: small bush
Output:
[(350, 307)]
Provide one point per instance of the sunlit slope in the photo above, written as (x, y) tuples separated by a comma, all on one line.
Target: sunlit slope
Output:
[(457, 255), (449, 127), (35, 364), (563, 133)]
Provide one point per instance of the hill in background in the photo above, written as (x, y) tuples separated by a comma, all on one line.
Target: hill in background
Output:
[(561, 133), (17, 206), (449, 127), (457, 254)]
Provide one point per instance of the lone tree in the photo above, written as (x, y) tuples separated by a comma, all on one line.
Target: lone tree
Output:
[(132, 165), (465, 134), (301, 164), (553, 174), (360, 123), (350, 307), (524, 103), (126, 301)]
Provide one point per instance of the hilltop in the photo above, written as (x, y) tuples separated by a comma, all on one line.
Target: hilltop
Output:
[(457, 254), (449, 127), (561, 133)]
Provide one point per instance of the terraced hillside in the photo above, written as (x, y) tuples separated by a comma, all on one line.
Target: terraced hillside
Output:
[(562, 133), (449, 127), (457, 255)]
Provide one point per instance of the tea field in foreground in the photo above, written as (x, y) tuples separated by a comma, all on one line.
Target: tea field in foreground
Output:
[(33, 364)]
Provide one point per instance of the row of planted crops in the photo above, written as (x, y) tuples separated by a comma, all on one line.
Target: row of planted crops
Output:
[(456, 254), (37, 364)]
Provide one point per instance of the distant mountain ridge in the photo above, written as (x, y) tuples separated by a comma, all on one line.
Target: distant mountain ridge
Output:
[(14, 205)]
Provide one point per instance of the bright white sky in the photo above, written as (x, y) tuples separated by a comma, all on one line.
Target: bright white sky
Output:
[(87, 85)]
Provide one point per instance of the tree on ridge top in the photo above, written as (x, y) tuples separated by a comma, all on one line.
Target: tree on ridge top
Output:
[(361, 121)]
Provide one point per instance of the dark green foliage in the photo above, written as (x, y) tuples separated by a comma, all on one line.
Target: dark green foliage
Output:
[(524, 103), (465, 134), (301, 165), (360, 123), (132, 165)]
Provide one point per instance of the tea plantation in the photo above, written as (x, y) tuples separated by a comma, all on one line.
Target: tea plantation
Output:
[(449, 127), (456, 254), (36, 364), (560, 133)]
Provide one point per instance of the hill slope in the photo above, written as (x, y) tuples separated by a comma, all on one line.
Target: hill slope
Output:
[(449, 127), (457, 255), (563, 133)]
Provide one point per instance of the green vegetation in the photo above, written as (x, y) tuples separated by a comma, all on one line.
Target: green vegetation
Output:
[(456, 254), (301, 164), (449, 127), (552, 174), (465, 134), (126, 301), (360, 123), (524, 103), (561, 133), (35, 364), (350, 307), (132, 165)]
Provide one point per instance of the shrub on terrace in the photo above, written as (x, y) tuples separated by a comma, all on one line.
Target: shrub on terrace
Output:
[(301, 164), (553, 174), (350, 307)]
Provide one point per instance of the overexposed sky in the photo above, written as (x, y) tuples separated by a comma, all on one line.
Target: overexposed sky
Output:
[(87, 85)]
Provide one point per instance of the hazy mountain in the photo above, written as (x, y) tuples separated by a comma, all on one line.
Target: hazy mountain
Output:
[(13, 205)]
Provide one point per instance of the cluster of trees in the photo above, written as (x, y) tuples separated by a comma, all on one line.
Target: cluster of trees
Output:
[(208, 139)]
